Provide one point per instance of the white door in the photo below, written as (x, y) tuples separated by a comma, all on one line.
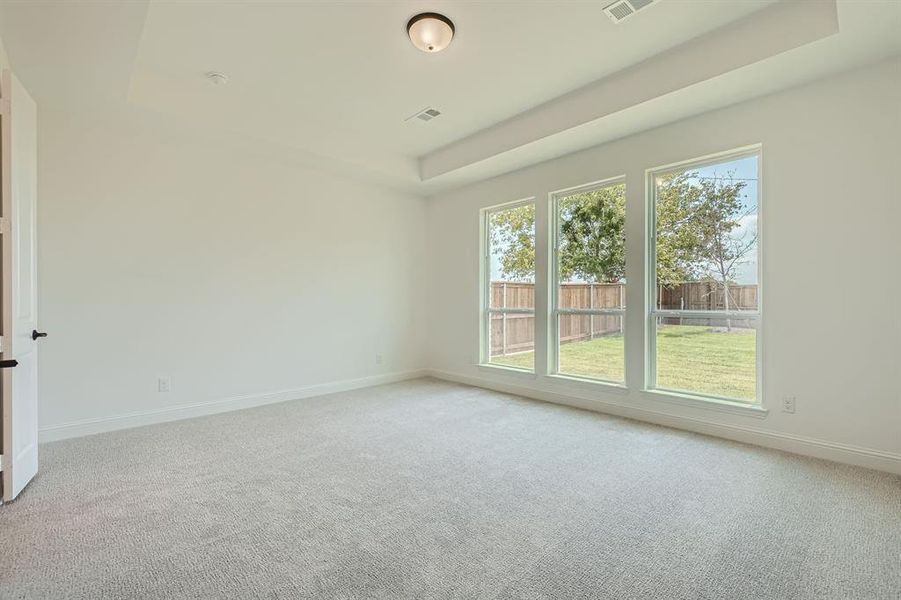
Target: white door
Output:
[(18, 122)]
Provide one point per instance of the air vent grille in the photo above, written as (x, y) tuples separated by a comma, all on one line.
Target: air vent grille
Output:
[(426, 114), (622, 10)]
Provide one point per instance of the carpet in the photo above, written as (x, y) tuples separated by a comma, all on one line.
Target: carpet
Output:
[(428, 489)]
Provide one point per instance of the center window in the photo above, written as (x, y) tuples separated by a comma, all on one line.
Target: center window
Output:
[(589, 292)]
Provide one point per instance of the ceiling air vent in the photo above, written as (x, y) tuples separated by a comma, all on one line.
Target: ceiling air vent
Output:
[(426, 114), (622, 10)]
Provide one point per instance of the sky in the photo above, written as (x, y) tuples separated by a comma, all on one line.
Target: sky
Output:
[(740, 169)]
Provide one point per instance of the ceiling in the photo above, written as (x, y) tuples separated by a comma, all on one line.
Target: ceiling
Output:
[(335, 81)]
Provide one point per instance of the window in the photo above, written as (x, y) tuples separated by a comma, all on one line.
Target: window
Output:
[(509, 286), (704, 313), (589, 289)]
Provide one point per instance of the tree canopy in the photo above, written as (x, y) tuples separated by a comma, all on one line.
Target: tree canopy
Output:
[(593, 235), (677, 243), (696, 218), (513, 232)]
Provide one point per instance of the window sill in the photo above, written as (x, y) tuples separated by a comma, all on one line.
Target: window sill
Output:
[(489, 368), (599, 384), (718, 404)]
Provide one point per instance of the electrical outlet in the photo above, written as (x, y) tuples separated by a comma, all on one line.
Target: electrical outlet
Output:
[(379, 359), (163, 384), (788, 404)]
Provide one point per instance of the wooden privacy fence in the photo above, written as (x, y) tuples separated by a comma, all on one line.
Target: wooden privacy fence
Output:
[(707, 295), (512, 333), (577, 328)]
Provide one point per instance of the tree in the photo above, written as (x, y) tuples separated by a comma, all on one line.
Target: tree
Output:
[(677, 241), (696, 218), (719, 212), (512, 231), (592, 235)]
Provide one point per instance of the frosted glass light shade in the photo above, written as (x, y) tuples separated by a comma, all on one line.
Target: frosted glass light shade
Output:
[(430, 32)]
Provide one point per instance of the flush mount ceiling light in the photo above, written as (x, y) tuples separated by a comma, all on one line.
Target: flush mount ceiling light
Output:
[(430, 32)]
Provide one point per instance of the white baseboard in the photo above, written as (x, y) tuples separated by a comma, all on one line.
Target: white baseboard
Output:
[(818, 448), (843, 453), (84, 427)]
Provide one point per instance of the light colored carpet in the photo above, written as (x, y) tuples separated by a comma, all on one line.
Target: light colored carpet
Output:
[(427, 489)]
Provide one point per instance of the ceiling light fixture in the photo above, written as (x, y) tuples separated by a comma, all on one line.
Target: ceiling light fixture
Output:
[(430, 32)]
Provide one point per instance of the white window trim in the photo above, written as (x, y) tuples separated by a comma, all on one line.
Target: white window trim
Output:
[(502, 369), (485, 310), (554, 282), (650, 383)]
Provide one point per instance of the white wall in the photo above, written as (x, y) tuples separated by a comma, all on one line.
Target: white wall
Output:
[(831, 216), (233, 272), (242, 275)]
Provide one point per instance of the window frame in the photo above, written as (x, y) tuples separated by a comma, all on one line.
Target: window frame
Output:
[(554, 282), (485, 288), (650, 283)]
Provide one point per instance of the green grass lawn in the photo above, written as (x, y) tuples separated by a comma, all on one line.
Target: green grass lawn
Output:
[(689, 358)]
